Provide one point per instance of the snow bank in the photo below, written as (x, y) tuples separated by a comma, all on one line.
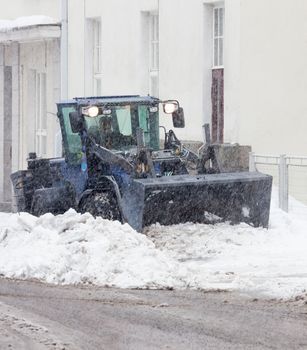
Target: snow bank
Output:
[(269, 262), (75, 248), (21, 22)]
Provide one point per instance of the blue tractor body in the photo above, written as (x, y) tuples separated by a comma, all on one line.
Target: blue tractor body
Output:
[(113, 167)]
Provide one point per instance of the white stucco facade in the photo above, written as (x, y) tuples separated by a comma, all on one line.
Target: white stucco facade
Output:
[(185, 53), (265, 71), (29, 88), (273, 74)]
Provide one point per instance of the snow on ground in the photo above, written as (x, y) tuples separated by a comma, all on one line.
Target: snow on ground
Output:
[(75, 248), (21, 22)]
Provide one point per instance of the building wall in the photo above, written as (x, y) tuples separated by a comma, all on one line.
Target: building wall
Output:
[(273, 103), (181, 62), (122, 45), (264, 61), (35, 58), (265, 69), (9, 114), (18, 63), (185, 55), (18, 141), (125, 53), (21, 8)]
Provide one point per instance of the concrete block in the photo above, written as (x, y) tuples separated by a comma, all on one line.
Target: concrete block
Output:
[(232, 157)]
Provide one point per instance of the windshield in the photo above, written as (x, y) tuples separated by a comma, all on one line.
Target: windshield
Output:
[(118, 130)]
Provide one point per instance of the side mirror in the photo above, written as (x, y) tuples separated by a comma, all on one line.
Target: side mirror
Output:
[(76, 122), (178, 118)]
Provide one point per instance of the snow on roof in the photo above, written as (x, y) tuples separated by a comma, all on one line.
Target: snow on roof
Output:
[(22, 22)]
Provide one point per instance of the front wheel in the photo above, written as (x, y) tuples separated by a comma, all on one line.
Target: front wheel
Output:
[(102, 204), (38, 206)]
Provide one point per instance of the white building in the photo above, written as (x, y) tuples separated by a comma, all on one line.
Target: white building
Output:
[(237, 64), (29, 88)]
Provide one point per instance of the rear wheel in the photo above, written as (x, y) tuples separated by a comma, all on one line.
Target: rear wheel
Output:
[(38, 206), (102, 204)]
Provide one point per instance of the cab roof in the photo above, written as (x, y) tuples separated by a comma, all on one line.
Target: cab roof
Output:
[(111, 100)]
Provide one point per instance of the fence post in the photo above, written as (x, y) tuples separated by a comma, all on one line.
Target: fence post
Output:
[(283, 183), (252, 166)]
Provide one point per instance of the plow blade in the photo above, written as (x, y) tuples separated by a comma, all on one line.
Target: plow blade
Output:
[(234, 197)]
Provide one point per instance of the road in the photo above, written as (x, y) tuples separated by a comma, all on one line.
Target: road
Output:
[(37, 316)]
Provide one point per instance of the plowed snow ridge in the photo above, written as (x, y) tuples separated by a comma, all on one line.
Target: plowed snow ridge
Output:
[(75, 248)]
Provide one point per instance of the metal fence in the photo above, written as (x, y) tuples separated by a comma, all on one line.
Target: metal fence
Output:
[(289, 175)]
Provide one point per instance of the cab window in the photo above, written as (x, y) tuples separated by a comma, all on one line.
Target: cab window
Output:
[(72, 141), (123, 116)]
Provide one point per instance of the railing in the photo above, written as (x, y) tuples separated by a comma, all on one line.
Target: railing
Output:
[(283, 163)]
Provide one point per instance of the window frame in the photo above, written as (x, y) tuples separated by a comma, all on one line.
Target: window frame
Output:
[(41, 114), (218, 38), (95, 24), (72, 152), (153, 53)]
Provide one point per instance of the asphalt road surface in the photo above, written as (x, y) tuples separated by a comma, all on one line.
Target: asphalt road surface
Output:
[(36, 316)]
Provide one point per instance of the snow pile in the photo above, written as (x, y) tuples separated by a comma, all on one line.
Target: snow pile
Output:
[(75, 248), (253, 260), (21, 22)]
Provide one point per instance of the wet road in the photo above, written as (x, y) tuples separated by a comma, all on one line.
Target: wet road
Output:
[(36, 316)]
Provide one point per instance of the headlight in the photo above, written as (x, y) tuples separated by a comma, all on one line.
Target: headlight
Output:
[(107, 112), (91, 111), (153, 109), (170, 107)]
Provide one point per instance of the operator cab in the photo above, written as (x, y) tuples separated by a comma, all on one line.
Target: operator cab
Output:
[(115, 127), (113, 122)]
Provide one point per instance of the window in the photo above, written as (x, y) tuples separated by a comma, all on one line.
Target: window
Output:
[(217, 89), (40, 115), (93, 65), (124, 120), (154, 55), (218, 37), (97, 56), (71, 141), (118, 130)]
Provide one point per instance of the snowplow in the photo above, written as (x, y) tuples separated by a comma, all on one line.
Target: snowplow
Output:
[(114, 166)]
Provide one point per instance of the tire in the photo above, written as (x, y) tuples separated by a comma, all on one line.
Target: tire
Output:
[(54, 200), (38, 207), (103, 204)]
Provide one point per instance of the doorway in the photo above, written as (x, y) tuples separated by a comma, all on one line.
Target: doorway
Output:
[(217, 97)]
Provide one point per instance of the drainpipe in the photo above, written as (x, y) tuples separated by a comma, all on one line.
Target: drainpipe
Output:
[(64, 71), (64, 49)]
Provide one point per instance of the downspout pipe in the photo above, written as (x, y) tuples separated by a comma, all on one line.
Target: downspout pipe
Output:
[(64, 49), (58, 152)]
